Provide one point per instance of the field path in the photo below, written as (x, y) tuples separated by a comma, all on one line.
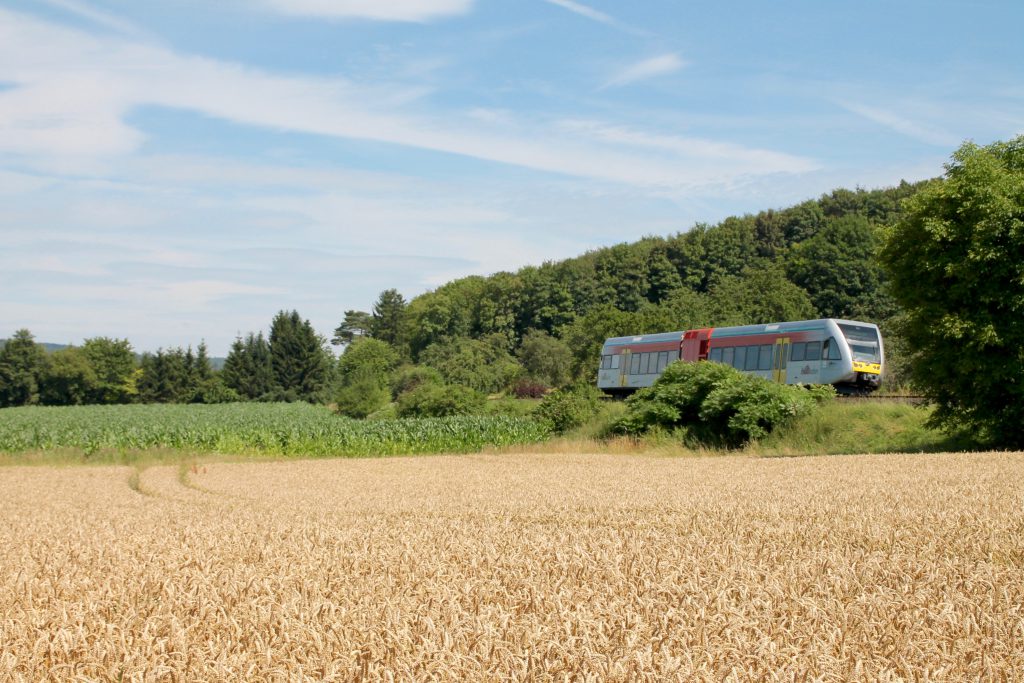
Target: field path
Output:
[(529, 567)]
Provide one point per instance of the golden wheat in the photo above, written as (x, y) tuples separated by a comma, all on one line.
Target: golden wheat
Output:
[(528, 567)]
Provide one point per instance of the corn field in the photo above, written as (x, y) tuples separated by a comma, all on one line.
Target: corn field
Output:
[(517, 567), (281, 429)]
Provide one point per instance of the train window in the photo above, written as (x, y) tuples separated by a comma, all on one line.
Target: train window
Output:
[(616, 362), (798, 351), (715, 355), (752, 354), (832, 351), (662, 360), (606, 361), (727, 355), (740, 358), (813, 351), (652, 363), (765, 359), (634, 364)]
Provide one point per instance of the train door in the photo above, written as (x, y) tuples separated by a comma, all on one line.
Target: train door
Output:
[(781, 358), (624, 371)]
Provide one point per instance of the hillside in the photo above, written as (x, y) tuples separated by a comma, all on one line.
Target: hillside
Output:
[(815, 259)]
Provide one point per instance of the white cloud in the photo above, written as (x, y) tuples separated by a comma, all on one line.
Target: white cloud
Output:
[(381, 10), (923, 132), (648, 68), (584, 10), (95, 16), (72, 93)]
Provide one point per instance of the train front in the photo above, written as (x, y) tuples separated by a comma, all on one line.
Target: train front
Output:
[(866, 354)]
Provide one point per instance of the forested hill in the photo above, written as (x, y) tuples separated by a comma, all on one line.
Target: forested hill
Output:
[(815, 259)]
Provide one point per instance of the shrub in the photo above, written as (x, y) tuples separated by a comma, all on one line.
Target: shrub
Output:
[(717, 404), (529, 388), (411, 376), (568, 408), (439, 400), (361, 396)]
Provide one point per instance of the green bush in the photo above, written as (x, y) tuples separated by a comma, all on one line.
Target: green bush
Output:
[(440, 400), (716, 404), (568, 408), (361, 396), (411, 376)]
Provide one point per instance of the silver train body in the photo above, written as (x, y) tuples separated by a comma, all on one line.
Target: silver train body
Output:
[(847, 354)]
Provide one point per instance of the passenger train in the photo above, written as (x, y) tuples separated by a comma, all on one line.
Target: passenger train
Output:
[(844, 353)]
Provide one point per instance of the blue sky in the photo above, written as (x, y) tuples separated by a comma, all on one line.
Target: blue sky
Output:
[(178, 171)]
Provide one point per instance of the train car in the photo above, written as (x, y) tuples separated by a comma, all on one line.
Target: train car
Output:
[(844, 353)]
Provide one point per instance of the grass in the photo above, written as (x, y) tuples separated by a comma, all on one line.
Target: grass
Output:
[(860, 427)]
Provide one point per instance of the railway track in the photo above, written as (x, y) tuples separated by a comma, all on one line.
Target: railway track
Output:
[(883, 398)]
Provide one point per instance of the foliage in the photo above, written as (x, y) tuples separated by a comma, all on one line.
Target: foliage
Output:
[(716, 404), (837, 267), (409, 377), (360, 395), (356, 324), (388, 321), (439, 400), (481, 364), (68, 378), (22, 363), (248, 369), (178, 376), (568, 408), (364, 376), (759, 295), (956, 264), (367, 357), (545, 358), (285, 429), (529, 388), (113, 361), (301, 364)]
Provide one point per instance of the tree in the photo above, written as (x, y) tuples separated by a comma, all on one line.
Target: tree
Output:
[(248, 369), (838, 269), (388, 323), (22, 362), (301, 363), (759, 295), (481, 364), (68, 379), (368, 358), (545, 358), (113, 361), (956, 263), (364, 377), (166, 377), (356, 324)]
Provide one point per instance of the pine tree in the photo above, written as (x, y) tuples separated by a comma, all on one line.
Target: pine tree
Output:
[(301, 364), (248, 369), (388, 324)]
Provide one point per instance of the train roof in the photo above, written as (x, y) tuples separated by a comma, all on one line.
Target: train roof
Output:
[(739, 331), (792, 326), (646, 338)]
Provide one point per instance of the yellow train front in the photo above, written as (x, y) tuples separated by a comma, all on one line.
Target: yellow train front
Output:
[(847, 354)]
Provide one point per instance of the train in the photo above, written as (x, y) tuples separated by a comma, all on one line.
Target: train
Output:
[(847, 354)]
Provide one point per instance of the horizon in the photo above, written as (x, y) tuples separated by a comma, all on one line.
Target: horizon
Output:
[(172, 174)]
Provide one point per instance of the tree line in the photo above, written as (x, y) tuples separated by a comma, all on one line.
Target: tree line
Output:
[(936, 264), (527, 331)]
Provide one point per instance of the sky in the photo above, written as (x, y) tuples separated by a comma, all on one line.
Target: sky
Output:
[(179, 171)]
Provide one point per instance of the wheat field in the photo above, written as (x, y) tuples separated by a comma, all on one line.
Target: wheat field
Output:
[(521, 567)]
